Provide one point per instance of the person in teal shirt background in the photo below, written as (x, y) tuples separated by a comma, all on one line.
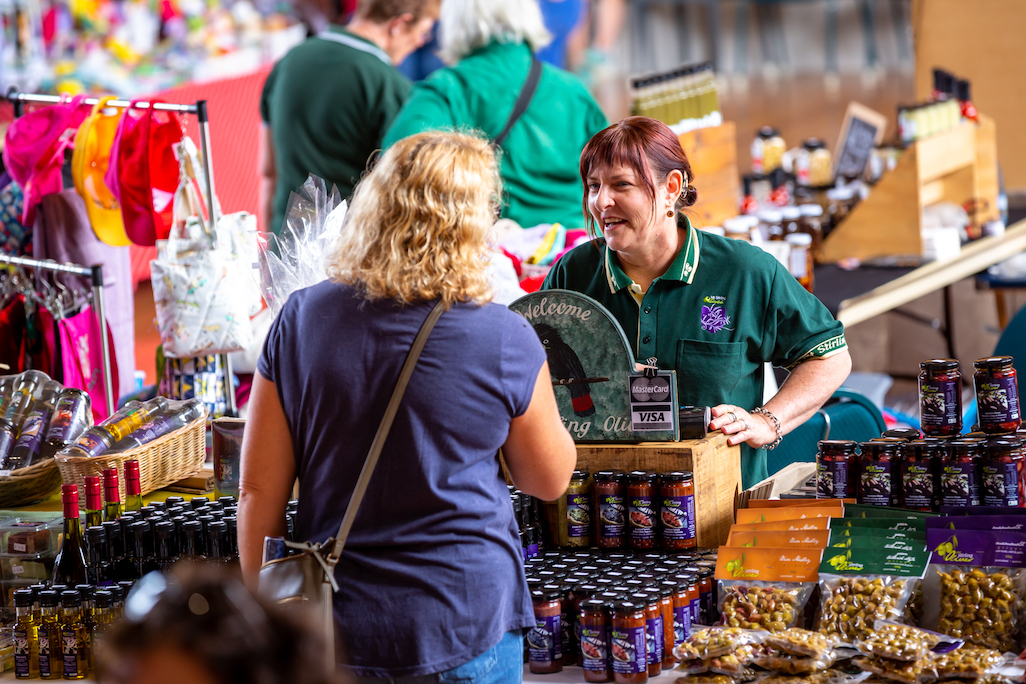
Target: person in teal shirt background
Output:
[(489, 44), (713, 309)]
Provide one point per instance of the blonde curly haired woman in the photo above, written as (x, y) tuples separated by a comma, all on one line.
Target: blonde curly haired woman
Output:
[(431, 580)]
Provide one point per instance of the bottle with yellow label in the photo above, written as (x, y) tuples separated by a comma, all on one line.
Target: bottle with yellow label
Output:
[(73, 636), (51, 660), (26, 637)]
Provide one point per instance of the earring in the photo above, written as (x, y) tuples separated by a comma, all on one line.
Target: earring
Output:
[(670, 213)]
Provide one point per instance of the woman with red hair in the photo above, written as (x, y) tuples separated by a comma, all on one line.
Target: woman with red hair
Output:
[(713, 309)]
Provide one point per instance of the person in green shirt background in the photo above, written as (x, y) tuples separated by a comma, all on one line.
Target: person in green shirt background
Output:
[(713, 309), (327, 104), (490, 44)]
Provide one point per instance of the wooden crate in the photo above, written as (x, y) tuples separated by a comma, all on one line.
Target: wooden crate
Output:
[(715, 464), (713, 156), (956, 166)]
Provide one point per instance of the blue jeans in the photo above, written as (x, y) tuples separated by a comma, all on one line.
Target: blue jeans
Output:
[(501, 664)]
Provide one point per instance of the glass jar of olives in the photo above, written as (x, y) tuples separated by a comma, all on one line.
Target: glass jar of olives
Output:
[(836, 469), (940, 397), (997, 395), (920, 474), (879, 472), (1004, 477), (960, 473)]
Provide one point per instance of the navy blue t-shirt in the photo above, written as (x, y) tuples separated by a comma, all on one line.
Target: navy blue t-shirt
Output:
[(431, 575)]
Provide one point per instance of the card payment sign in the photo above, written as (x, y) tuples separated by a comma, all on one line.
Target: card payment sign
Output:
[(651, 409)]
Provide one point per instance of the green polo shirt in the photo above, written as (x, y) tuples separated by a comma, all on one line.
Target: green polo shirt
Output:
[(539, 164), (722, 309), (329, 102)]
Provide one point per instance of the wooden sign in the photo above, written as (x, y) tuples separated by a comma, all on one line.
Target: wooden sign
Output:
[(862, 130), (601, 397)]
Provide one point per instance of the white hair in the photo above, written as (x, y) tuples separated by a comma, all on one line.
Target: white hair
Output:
[(465, 25)]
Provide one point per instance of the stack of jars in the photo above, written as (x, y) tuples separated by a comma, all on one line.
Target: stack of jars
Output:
[(946, 468), (618, 616)]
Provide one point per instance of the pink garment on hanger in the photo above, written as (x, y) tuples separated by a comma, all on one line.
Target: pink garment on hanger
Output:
[(34, 149), (82, 358)]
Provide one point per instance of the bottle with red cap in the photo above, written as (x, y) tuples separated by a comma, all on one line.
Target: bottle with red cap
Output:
[(133, 487), (111, 495), (94, 501), (70, 566)]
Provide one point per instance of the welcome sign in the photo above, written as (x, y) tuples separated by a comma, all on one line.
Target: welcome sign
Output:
[(601, 397)]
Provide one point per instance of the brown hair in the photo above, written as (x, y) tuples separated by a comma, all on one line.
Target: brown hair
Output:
[(382, 11), (647, 146)]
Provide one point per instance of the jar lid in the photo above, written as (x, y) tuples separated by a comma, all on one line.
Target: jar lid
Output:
[(1004, 444), (735, 225), (104, 599), (838, 446), (791, 213), (610, 476), (594, 604), (639, 476), (994, 363), (71, 598), (881, 446), (546, 594), (677, 476), (939, 364), (813, 144), (800, 239), (23, 598), (767, 132), (770, 215), (624, 606), (811, 210), (840, 194), (48, 598), (922, 447), (966, 446), (580, 475), (905, 434)]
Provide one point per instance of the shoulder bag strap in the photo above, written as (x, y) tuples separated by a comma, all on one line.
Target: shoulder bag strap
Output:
[(523, 100), (383, 430)]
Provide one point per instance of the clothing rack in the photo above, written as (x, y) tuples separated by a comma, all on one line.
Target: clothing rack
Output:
[(95, 275), (199, 110)]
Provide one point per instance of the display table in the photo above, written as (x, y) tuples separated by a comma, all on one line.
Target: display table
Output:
[(572, 674)]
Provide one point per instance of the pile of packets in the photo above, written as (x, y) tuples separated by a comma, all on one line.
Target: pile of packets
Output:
[(903, 596)]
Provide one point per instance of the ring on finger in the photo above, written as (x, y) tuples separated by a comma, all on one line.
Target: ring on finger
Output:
[(733, 416), (748, 428)]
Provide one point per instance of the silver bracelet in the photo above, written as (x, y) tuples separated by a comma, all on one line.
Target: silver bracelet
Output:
[(776, 423)]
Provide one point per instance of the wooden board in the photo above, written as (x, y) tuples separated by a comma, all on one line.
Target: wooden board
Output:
[(713, 156), (715, 464)]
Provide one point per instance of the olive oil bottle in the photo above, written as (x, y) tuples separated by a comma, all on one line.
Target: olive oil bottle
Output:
[(51, 660), (73, 636), (103, 613), (87, 591), (26, 637)]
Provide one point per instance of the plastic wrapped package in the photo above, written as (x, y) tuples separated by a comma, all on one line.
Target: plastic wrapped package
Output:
[(785, 663), (734, 664), (896, 641), (802, 642), (772, 606), (967, 662), (711, 642), (905, 672)]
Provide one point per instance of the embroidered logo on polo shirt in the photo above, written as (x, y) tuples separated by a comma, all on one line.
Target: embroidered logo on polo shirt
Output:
[(714, 317)]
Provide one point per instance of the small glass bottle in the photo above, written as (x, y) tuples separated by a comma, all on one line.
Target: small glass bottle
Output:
[(595, 641), (26, 636), (920, 474), (630, 655), (836, 469), (544, 642), (811, 223), (940, 397), (51, 659), (575, 508), (73, 639), (879, 470), (960, 473), (87, 592), (677, 510), (997, 395), (653, 630), (641, 511), (1004, 473), (610, 511), (103, 613), (800, 262)]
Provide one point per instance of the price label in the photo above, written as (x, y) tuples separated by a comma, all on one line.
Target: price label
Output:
[(18, 569), (650, 411), (5, 473)]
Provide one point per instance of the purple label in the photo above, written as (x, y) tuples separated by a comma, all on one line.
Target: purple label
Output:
[(832, 479), (629, 653), (611, 516), (654, 639), (678, 517), (71, 646), (959, 486), (998, 401), (565, 627), (595, 648), (681, 623), (917, 484), (940, 403), (154, 429), (642, 517), (877, 484), (696, 612), (92, 443), (44, 652), (578, 515), (1009, 549), (32, 431), (1001, 484), (69, 419), (22, 653), (532, 550), (544, 643)]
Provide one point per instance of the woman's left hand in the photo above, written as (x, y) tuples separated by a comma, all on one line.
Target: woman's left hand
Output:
[(755, 430)]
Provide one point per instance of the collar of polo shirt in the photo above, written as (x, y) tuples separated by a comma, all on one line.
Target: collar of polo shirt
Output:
[(682, 269)]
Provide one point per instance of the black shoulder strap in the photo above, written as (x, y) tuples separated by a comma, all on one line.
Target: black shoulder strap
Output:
[(523, 100)]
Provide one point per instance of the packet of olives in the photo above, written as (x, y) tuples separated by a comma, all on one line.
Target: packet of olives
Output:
[(746, 516), (893, 524), (765, 588), (813, 539), (991, 523), (873, 542), (866, 511), (839, 533), (798, 503), (804, 525)]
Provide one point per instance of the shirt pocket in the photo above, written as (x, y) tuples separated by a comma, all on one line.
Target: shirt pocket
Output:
[(708, 372)]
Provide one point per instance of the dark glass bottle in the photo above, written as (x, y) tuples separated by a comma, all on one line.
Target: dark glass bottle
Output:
[(142, 548), (165, 547), (115, 550), (227, 501), (198, 502), (217, 542), (192, 530), (70, 565), (172, 501), (233, 536), (98, 563)]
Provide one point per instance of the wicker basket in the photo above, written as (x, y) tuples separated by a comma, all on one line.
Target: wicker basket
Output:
[(28, 485), (165, 460)]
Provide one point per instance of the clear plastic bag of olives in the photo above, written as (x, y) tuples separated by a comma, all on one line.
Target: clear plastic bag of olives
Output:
[(967, 662), (733, 664), (770, 606), (906, 672), (851, 605), (897, 641), (802, 642), (821, 677), (785, 663), (711, 642), (704, 679), (982, 605)]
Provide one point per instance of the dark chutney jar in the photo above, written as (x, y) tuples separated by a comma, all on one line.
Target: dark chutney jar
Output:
[(960, 472), (920, 474), (879, 473), (577, 514), (997, 395), (627, 644), (1004, 473), (610, 509), (836, 469), (677, 510), (653, 627), (666, 593), (582, 592), (681, 610), (544, 641), (594, 618), (940, 397), (641, 509)]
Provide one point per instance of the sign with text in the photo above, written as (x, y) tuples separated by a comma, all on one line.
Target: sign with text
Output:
[(601, 397), (862, 130)]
